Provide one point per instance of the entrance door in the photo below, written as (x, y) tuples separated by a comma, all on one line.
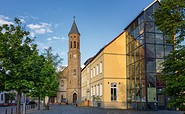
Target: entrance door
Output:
[(74, 97)]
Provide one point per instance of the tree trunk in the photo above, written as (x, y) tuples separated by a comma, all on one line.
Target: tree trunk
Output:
[(175, 41), (18, 107), (44, 103)]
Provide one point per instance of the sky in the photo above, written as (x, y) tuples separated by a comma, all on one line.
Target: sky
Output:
[(98, 21)]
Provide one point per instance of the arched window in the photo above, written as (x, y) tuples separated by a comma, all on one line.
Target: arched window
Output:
[(62, 83), (74, 44), (70, 55), (74, 71), (71, 44)]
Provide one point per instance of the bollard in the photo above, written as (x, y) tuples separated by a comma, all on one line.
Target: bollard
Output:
[(6, 111), (11, 110)]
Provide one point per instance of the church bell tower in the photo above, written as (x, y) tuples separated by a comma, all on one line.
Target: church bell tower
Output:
[(74, 70)]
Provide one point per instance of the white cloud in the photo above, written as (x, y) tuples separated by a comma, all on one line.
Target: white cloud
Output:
[(49, 39), (42, 45), (22, 20), (55, 38), (41, 28), (5, 20)]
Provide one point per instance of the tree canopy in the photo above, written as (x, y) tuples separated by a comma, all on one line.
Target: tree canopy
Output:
[(170, 19), (22, 68)]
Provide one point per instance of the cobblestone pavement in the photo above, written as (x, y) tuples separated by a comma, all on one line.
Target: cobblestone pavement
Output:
[(70, 109)]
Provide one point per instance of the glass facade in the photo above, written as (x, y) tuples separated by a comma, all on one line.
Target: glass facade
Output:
[(146, 48)]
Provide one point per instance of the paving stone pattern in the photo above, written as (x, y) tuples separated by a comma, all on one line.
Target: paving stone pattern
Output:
[(70, 109)]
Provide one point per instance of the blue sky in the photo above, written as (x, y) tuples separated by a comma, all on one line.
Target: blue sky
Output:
[(98, 21)]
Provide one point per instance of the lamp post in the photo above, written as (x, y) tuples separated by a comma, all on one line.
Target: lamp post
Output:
[(24, 105)]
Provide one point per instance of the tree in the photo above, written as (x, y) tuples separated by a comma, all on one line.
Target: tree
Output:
[(170, 19), (46, 75), (53, 60), (173, 76), (17, 54)]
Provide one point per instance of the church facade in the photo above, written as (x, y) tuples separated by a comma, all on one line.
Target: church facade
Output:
[(69, 81)]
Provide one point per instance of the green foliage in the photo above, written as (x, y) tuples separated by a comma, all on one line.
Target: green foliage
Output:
[(22, 68), (10, 96), (16, 50), (52, 58), (173, 76), (170, 19), (46, 84), (17, 54)]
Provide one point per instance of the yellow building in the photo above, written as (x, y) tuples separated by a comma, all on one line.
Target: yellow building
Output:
[(103, 80)]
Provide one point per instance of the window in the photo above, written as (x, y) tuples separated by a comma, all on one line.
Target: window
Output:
[(100, 89), (70, 55), (159, 51), (97, 90), (94, 90), (94, 71), (62, 83), (2, 97), (71, 44), (97, 69), (101, 67), (91, 73), (113, 91), (74, 71), (74, 44)]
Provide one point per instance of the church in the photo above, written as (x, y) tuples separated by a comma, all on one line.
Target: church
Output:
[(69, 81)]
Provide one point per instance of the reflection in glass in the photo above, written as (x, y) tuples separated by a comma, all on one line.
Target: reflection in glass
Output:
[(159, 51), (159, 66), (149, 26), (150, 38), (159, 38), (150, 50)]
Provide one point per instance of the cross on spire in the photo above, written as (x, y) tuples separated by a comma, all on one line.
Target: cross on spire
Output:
[(74, 17)]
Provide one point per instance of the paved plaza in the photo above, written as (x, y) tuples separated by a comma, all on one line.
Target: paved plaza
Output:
[(70, 109)]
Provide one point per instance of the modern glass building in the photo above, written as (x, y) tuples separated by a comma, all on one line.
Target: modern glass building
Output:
[(146, 48)]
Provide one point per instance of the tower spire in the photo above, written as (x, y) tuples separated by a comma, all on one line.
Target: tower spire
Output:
[(74, 28)]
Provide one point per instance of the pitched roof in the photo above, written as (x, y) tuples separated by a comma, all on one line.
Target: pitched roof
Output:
[(92, 58), (74, 29)]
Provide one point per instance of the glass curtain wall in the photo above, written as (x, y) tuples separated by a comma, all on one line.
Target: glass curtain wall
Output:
[(146, 48)]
